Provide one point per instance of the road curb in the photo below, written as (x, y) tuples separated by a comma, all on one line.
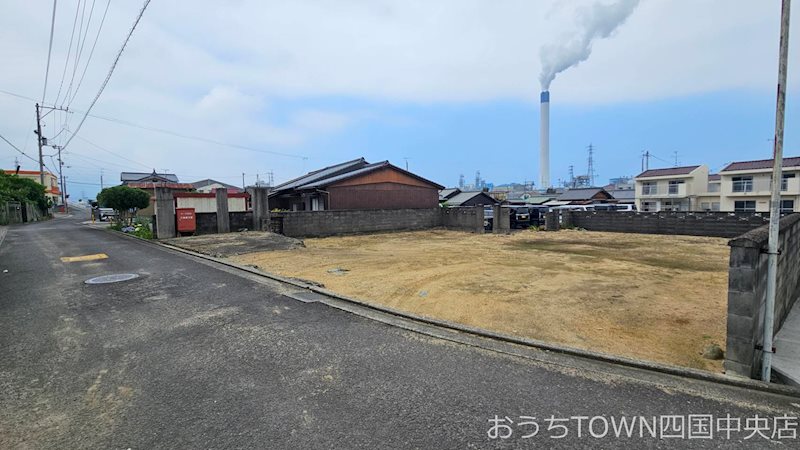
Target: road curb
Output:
[(526, 342), (3, 232)]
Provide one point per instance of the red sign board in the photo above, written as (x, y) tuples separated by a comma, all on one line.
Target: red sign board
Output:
[(187, 222)]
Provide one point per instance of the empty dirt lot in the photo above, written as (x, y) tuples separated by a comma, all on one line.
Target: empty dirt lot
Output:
[(661, 298)]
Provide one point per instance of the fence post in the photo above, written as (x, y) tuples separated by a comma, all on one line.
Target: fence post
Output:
[(259, 198), (223, 219), (165, 213)]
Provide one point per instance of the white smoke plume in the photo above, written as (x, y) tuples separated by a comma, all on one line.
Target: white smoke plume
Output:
[(597, 21)]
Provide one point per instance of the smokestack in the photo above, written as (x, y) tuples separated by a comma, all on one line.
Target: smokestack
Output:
[(544, 141)]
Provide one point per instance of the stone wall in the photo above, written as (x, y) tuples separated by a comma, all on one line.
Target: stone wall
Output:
[(714, 224), (338, 222), (747, 283)]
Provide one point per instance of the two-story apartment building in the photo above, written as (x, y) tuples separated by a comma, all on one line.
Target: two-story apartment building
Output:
[(746, 186), (672, 189)]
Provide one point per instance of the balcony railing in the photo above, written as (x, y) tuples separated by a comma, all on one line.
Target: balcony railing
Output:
[(664, 190), (649, 190), (763, 186)]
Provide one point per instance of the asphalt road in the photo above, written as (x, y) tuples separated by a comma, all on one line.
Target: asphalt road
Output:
[(194, 355)]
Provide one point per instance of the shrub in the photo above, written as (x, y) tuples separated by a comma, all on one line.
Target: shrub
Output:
[(14, 188), (124, 200)]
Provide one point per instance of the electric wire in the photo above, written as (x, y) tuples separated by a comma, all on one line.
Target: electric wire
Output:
[(89, 59), (171, 133), (69, 53), (17, 149), (84, 33), (49, 50), (110, 72)]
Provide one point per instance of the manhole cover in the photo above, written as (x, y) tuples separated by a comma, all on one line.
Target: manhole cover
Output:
[(116, 278)]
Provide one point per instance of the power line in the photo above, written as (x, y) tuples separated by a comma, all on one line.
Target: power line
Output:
[(69, 53), (171, 133), (89, 59), (49, 50), (110, 72), (198, 138), (17, 149), (109, 151), (78, 55)]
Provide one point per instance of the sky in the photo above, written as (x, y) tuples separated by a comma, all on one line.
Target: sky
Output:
[(448, 87)]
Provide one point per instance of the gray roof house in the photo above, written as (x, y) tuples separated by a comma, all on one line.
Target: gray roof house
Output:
[(445, 194), (471, 199), (584, 196), (144, 177), (209, 185)]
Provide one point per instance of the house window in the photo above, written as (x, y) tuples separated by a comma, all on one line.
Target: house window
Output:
[(317, 204), (785, 181), (713, 187), (673, 186), (648, 206), (743, 184), (744, 206), (649, 188), (669, 205), (787, 206), (705, 206), (715, 206)]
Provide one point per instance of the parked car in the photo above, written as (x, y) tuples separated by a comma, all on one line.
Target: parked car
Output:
[(488, 218), (537, 215), (520, 216), (106, 214)]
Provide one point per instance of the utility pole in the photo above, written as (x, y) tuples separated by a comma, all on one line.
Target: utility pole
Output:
[(101, 179), (406, 163), (243, 184), (676, 157), (43, 140), (775, 203), (61, 179), (39, 136), (646, 160)]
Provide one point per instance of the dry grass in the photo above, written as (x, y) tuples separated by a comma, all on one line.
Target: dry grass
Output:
[(661, 298)]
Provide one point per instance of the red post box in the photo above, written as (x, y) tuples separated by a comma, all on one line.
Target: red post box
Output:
[(187, 221)]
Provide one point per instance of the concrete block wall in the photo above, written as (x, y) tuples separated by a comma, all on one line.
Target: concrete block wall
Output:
[(712, 224), (10, 212), (502, 220), (747, 283), (468, 218), (338, 222), (241, 220), (207, 222)]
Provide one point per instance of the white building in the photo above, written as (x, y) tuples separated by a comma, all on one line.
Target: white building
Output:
[(672, 189), (746, 186)]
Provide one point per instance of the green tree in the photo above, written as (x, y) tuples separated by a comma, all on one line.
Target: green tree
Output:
[(18, 189), (124, 200)]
